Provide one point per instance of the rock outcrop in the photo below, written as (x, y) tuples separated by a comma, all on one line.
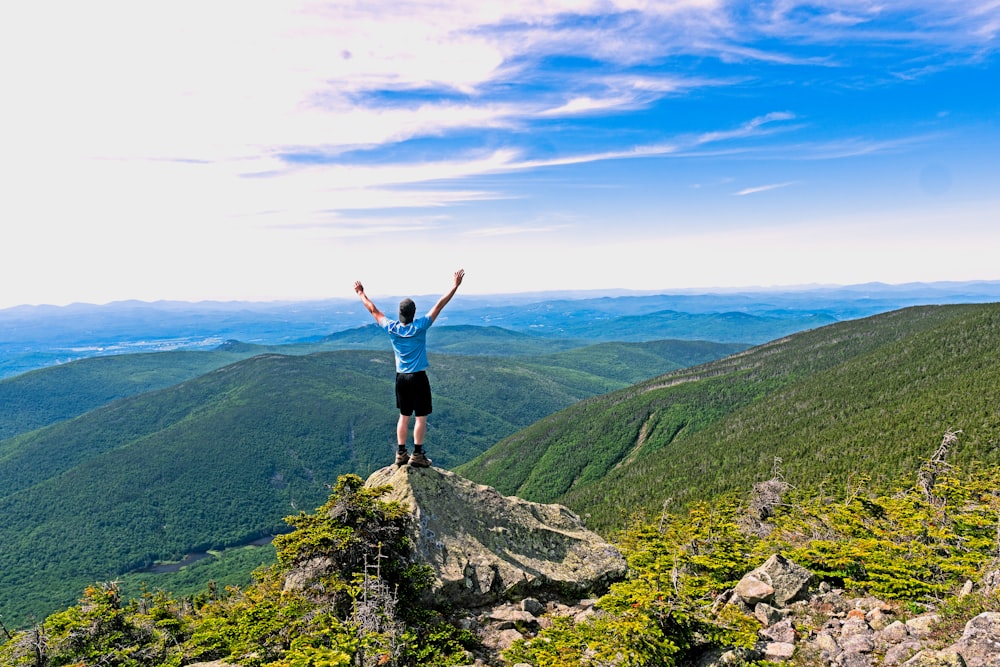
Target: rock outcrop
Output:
[(485, 547)]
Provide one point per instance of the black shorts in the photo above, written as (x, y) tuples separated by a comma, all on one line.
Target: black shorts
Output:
[(413, 394)]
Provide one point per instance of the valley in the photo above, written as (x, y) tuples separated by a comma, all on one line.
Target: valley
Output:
[(101, 460)]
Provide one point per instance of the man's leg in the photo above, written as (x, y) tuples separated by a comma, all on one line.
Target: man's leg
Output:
[(402, 458), (402, 428), (419, 458), (419, 431)]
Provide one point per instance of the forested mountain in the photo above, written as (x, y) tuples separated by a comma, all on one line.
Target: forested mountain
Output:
[(219, 459), (860, 399), (47, 395)]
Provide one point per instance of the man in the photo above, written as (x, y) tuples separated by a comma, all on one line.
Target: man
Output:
[(413, 391)]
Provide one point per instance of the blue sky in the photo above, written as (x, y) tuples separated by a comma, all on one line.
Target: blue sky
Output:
[(281, 150)]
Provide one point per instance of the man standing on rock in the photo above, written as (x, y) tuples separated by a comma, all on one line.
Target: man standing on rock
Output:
[(413, 390)]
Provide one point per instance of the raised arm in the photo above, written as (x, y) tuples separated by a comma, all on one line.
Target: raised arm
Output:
[(443, 301), (359, 289)]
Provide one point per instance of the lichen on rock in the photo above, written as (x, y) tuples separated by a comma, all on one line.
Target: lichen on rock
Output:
[(485, 547)]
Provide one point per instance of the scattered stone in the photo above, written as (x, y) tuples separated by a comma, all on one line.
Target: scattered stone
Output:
[(921, 626), (768, 615), (778, 651), (900, 653), (826, 642), (859, 643), (753, 591), (831, 603), (879, 619), (533, 606), (980, 642), (789, 580), (894, 633), (847, 659), (854, 626), (782, 632), (928, 658)]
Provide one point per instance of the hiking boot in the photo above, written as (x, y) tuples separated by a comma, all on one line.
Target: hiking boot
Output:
[(420, 460), (402, 458)]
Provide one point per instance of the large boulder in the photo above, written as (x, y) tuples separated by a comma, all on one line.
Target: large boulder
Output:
[(980, 643), (786, 581), (485, 547)]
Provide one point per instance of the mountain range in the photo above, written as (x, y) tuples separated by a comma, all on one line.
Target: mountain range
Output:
[(114, 463), (36, 336), (111, 463)]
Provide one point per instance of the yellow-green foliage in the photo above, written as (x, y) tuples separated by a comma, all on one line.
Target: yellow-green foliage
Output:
[(908, 545), (266, 625), (919, 543)]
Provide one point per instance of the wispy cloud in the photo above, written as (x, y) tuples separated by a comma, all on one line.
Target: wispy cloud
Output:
[(513, 230), (762, 188), (227, 117)]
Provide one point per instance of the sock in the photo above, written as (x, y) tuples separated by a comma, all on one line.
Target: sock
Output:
[(402, 449), (417, 449)]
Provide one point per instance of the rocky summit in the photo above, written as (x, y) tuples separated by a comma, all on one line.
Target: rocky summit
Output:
[(485, 547)]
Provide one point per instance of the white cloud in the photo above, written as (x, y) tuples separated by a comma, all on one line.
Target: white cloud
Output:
[(762, 188), (142, 123)]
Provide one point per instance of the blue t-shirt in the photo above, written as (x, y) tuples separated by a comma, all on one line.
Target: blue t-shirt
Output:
[(409, 343)]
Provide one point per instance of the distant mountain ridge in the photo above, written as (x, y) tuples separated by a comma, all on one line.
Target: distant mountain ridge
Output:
[(39, 336)]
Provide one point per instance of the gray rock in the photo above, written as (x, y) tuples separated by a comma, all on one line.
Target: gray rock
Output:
[(485, 547), (847, 659), (789, 580), (830, 603), (781, 632), (894, 633), (752, 591), (507, 618), (921, 626), (861, 643), (768, 615), (826, 642), (946, 658), (729, 657), (901, 652), (307, 573), (855, 626), (779, 651), (506, 639), (532, 606), (980, 642), (879, 619)]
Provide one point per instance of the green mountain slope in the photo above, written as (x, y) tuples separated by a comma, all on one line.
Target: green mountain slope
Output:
[(455, 339), (816, 400), (220, 459), (38, 398), (724, 327), (42, 397)]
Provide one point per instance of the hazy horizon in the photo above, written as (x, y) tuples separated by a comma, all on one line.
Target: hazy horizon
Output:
[(542, 294), (280, 151)]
